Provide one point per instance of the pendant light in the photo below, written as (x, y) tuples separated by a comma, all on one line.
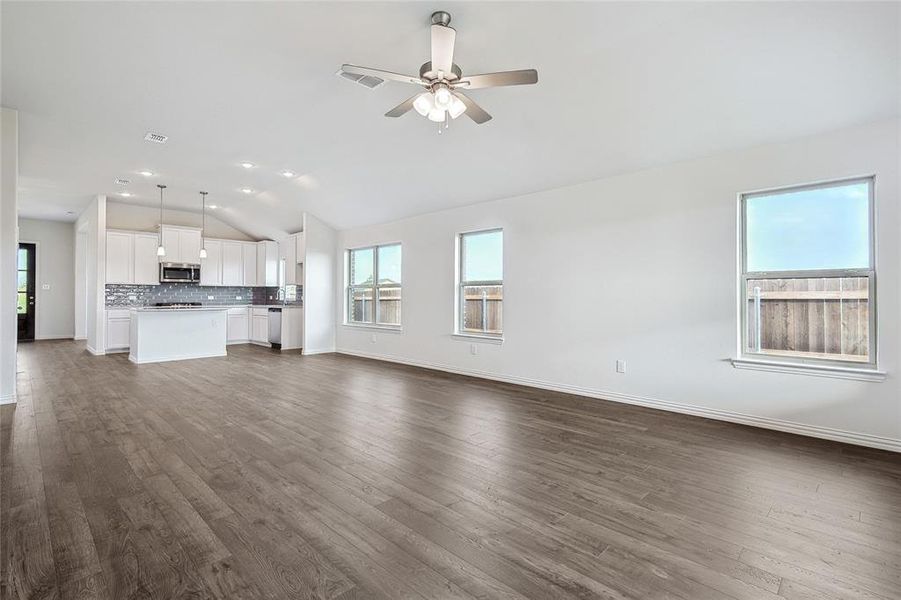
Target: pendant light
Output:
[(203, 225), (160, 250)]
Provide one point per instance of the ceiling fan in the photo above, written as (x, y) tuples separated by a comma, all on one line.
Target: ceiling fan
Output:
[(442, 79)]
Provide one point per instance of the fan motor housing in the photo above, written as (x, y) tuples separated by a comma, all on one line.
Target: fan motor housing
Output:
[(426, 73)]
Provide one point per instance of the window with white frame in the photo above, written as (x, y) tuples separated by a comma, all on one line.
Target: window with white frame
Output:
[(374, 285), (480, 290), (808, 276)]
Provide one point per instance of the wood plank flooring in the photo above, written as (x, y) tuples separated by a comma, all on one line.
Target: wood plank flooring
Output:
[(263, 475)]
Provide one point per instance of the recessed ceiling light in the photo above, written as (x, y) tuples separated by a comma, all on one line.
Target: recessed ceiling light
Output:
[(288, 173), (146, 173), (121, 181), (247, 190), (126, 194), (213, 206), (247, 165)]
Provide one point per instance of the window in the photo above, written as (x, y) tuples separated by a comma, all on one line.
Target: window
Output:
[(808, 277), (481, 286), (374, 285)]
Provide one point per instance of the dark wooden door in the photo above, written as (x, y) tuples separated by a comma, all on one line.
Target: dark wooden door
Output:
[(25, 301)]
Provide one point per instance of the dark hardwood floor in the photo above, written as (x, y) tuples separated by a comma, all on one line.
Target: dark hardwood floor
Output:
[(264, 475)]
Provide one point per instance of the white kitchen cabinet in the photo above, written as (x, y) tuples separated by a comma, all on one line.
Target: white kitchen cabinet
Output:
[(232, 263), (249, 250), (211, 266), (119, 257), (118, 323), (238, 325), (260, 328), (146, 263), (300, 247), (288, 251), (182, 244), (267, 263)]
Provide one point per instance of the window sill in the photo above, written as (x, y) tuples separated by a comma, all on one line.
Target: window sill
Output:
[(837, 372), (374, 327), (474, 337)]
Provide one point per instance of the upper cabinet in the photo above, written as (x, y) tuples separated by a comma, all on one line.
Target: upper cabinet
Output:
[(300, 245), (147, 267), (267, 263), (211, 266), (131, 258), (232, 263), (249, 250), (293, 251), (120, 257), (182, 244)]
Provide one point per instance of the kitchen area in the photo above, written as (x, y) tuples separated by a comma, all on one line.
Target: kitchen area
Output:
[(174, 294)]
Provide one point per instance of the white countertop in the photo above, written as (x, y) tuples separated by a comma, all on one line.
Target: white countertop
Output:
[(202, 308)]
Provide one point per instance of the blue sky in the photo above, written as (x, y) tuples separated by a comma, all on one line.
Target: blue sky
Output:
[(823, 228), (484, 256)]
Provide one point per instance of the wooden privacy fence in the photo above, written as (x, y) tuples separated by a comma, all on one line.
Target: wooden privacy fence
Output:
[(819, 316), (483, 309)]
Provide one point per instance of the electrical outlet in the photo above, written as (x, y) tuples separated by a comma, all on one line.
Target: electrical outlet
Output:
[(372, 339), (132, 297), (210, 297), (237, 297), (620, 366), (45, 286), (473, 349)]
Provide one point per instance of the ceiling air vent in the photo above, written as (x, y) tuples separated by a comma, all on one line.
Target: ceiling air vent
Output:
[(120, 181), (158, 138), (365, 80)]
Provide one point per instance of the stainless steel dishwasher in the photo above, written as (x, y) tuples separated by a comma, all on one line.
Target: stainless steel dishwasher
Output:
[(275, 326)]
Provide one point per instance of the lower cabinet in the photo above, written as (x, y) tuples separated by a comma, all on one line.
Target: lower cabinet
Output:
[(118, 326), (259, 326), (238, 325)]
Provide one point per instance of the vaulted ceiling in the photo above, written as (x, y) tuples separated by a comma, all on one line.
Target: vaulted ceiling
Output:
[(622, 86)]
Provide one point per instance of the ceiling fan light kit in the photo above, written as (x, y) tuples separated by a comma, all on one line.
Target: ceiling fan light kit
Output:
[(443, 80)]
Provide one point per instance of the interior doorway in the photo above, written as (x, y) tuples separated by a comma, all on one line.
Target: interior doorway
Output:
[(25, 307)]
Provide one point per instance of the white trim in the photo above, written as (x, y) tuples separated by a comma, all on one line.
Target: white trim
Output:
[(80, 339), (53, 337), (93, 351), (8, 399), (482, 339), (174, 358), (319, 351), (826, 433), (837, 372), (374, 327), (116, 350)]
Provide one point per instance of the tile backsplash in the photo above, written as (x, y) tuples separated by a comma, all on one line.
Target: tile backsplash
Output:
[(146, 295)]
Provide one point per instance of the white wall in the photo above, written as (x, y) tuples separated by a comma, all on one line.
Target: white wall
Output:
[(144, 218), (55, 310), (642, 267), (92, 221), (319, 286), (9, 174), (80, 291)]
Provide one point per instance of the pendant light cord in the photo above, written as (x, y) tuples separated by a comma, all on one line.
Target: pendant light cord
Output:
[(162, 187)]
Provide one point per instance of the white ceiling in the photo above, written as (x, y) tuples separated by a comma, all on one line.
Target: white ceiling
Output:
[(622, 86)]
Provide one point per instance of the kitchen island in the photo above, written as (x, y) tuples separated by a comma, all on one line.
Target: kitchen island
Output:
[(165, 334)]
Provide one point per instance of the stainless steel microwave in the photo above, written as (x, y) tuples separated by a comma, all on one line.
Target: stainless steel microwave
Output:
[(179, 273)]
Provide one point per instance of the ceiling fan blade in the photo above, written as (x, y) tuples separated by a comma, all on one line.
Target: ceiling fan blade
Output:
[(384, 75), (443, 38), (522, 77), (473, 110), (402, 108)]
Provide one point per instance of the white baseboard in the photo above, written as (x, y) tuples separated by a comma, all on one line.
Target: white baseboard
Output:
[(8, 399), (80, 338), (816, 431), (94, 352), (53, 337), (173, 359), (308, 352)]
